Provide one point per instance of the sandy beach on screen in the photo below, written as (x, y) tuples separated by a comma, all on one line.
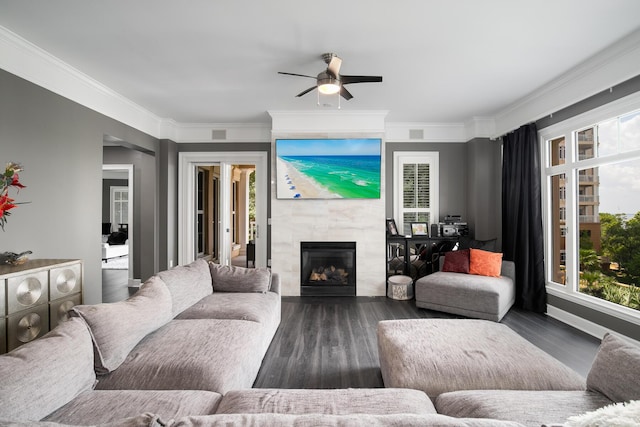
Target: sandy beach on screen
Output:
[(291, 183)]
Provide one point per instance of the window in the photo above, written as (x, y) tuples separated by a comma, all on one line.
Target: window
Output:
[(119, 205), (592, 197), (415, 189)]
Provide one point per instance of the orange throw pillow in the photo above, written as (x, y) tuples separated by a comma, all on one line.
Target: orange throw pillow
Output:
[(483, 263)]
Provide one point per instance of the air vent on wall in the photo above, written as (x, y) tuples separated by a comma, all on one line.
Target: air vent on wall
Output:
[(219, 134), (416, 134)]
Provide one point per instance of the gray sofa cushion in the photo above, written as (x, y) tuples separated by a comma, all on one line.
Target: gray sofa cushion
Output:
[(142, 420), (256, 307), (356, 420), (441, 355), (187, 284), (116, 328), (106, 406), (375, 401), (615, 372), (228, 278), (531, 408), (41, 376), (216, 355)]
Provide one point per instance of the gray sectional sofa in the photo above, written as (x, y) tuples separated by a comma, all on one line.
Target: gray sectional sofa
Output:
[(481, 369), (189, 335), (185, 351)]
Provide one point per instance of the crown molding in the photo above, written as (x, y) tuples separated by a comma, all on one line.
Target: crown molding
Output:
[(310, 121), (431, 132), (480, 127), (609, 67), (26, 60), (203, 132), (612, 65)]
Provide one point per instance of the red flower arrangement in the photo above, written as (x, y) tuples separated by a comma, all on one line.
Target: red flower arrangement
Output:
[(9, 179)]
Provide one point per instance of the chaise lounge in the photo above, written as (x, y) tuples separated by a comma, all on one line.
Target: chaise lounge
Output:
[(459, 289)]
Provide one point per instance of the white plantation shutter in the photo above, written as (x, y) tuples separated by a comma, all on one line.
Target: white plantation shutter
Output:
[(416, 188)]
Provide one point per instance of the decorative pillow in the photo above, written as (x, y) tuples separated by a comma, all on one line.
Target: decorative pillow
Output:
[(456, 261), (614, 371), (187, 284), (227, 278), (484, 263), (116, 328)]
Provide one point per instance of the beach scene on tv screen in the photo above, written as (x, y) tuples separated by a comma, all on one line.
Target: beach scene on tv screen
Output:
[(328, 168)]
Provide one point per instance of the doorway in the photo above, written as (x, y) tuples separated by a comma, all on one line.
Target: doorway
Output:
[(227, 175), (117, 231), (242, 221)]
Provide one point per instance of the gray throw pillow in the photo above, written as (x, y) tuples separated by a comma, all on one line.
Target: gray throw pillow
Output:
[(187, 284), (615, 371), (116, 328), (227, 278)]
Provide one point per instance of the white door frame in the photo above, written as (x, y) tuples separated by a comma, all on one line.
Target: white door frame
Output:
[(187, 164), (128, 168)]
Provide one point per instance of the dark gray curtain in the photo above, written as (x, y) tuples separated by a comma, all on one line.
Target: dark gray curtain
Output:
[(522, 236)]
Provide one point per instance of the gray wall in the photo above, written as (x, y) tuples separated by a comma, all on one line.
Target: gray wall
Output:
[(167, 203), (484, 192), (60, 145), (453, 175)]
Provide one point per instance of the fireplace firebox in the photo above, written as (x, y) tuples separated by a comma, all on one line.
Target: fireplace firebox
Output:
[(328, 268)]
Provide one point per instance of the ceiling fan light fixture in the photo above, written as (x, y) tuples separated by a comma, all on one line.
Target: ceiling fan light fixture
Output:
[(328, 86)]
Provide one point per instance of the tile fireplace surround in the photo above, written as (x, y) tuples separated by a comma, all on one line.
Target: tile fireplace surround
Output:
[(342, 220)]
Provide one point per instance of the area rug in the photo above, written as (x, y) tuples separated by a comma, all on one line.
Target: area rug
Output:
[(615, 415), (119, 263)]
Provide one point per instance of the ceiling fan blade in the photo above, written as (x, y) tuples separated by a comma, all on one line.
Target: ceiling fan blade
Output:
[(360, 79), (304, 92), (334, 66), (294, 74), (345, 93)]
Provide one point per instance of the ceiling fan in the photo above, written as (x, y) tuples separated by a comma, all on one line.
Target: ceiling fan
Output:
[(330, 81)]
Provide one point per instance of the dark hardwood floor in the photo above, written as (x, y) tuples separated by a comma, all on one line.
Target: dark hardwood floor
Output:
[(330, 342)]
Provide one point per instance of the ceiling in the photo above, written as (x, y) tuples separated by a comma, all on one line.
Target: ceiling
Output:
[(205, 61)]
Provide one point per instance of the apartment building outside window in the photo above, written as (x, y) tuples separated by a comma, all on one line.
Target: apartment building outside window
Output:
[(591, 184)]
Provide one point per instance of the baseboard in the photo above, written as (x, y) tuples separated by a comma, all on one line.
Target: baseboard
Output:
[(580, 323), (134, 283)]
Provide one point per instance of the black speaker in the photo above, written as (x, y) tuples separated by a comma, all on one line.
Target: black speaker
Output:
[(434, 230)]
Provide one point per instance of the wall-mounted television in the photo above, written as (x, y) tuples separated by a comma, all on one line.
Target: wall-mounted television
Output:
[(333, 168)]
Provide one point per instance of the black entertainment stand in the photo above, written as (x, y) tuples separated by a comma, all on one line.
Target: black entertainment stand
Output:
[(433, 247)]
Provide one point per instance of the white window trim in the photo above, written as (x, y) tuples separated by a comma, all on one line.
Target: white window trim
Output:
[(112, 202), (431, 157), (567, 128)]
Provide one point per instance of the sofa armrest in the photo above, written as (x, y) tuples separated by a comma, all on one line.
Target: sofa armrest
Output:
[(509, 270), (275, 283)]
